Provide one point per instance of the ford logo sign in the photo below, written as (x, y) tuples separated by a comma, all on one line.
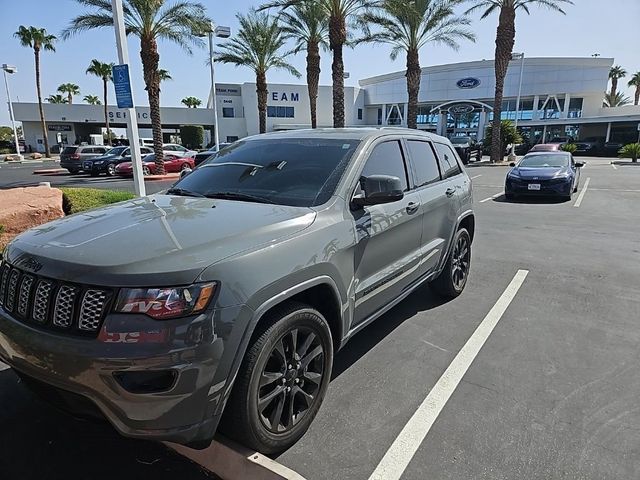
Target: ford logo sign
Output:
[(461, 109), (468, 83)]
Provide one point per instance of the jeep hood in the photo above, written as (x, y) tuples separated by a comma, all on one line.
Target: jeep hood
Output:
[(157, 240)]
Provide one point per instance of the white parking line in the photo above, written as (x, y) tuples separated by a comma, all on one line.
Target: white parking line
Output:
[(477, 176), (582, 192), (397, 458), (492, 197), (3, 367), (614, 167), (613, 190)]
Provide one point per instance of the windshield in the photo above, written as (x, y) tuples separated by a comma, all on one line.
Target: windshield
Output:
[(298, 172), (545, 161), (116, 151)]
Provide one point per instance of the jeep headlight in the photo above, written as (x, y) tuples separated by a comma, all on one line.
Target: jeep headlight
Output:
[(166, 303)]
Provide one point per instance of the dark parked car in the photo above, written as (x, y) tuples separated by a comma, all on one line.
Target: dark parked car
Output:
[(467, 148), (231, 291), (544, 173), (611, 149), (72, 158), (108, 162), (590, 146), (546, 147), (207, 154)]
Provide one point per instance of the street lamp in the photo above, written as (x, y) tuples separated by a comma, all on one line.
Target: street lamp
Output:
[(517, 56), (213, 32), (11, 69)]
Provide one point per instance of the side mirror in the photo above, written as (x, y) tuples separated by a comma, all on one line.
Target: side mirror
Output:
[(185, 172), (512, 164), (580, 164), (379, 189)]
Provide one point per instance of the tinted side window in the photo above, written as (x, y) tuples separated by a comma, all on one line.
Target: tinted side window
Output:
[(447, 158), (424, 162), (387, 159)]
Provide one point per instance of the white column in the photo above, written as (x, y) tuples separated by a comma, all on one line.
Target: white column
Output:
[(544, 134), (481, 123), (405, 120), (536, 112), (567, 100), (608, 131), (384, 114)]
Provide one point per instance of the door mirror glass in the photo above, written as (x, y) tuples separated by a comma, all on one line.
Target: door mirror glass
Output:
[(579, 164), (512, 164), (379, 189)]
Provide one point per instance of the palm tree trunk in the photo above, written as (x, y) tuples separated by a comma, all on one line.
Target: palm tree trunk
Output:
[(150, 61), (70, 98), (337, 39), (313, 79), (261, 90), (614, 87), (505, 39), (106, 111), (637, 101), (413, 87), (47, 152)]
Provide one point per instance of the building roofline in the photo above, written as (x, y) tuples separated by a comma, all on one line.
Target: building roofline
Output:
[(529, 61)]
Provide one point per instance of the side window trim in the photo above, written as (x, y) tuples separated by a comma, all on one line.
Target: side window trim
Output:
[(412, 161), (441, 162), (403, 152)]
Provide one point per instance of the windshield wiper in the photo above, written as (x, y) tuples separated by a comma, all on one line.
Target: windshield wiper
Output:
[(239, 196), (184, 193)]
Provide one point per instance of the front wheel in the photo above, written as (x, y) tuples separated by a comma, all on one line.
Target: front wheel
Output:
[(453, 278), (146, 171), (111, 170), (282, 380)]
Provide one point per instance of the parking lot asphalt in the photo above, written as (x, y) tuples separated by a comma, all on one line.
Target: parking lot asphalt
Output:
[(552, 394), (22, 175)]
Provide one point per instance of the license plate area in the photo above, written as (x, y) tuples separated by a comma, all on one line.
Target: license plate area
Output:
[(87, 165), (534, 186)]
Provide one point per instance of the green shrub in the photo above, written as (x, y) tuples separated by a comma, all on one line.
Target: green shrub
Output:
[(569, 147), (6, 151), (631, 151), (192, 136), (76, 200), (508, 134)]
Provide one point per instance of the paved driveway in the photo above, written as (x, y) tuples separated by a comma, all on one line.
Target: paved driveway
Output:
[(550, 392)]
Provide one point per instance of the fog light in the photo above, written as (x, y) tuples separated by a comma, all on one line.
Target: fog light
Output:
[(146, 382)]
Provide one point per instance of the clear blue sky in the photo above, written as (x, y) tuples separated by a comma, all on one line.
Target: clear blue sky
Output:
[(588, 28)]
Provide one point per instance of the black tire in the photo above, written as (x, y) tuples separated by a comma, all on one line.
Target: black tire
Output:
[(94, 173), (73, 171), (446, 285), (509, 196), (243, 419), (111, 170)]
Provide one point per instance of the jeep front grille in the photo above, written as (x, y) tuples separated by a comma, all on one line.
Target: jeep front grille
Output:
[(61, 306)]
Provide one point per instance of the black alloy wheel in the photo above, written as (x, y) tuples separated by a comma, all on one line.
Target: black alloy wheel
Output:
[(451, 281)]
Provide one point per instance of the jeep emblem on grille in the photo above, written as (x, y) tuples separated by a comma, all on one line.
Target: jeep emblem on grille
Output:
[(30, 263)]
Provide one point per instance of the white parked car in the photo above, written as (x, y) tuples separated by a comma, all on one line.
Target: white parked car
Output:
[(175, 149)]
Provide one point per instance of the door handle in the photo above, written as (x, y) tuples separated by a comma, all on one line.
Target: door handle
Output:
[(412, 208), (450, 192)]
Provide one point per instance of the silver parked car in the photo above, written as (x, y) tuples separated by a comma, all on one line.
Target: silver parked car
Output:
[(221, 301), (72, 158)]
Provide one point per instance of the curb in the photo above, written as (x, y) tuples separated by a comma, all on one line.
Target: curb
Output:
[(50, 171), (486, 164), (231, 461), (168, 176)]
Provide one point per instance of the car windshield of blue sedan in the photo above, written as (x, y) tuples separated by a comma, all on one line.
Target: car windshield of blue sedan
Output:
[(545, 161)]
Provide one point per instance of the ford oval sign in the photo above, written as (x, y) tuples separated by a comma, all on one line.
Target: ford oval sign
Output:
[(467, 83), (461, 109)]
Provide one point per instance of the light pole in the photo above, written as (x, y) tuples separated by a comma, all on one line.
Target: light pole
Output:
[(213, 32), (11, 69), (517, 56)]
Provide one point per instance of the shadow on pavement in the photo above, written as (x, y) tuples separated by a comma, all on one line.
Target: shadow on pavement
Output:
[(532, 200), (38, 442), (419, 301)]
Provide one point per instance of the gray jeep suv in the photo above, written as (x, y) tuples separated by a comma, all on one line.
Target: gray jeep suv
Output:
[(223, 299)]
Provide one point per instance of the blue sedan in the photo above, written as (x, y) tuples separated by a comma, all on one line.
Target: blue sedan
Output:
[(544, 173)]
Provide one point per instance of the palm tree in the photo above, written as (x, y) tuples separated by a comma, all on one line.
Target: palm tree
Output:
[(340, 13), (103, 71), (57, 99), (409, 25), (150, 21), (70, 89), (258, 46), (307, 25), (505, 40), (164, 75), (615, 74), (38, 39), (617, 100), (92, 99), (191, 102), (635, 82)]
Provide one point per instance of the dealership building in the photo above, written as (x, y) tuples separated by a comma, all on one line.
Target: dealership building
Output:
[(560, 97)]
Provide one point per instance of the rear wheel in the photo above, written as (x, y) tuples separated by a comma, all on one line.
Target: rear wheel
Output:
[(453, 278), (111, 170), (73, 171), (282, 380), (145, 170)]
